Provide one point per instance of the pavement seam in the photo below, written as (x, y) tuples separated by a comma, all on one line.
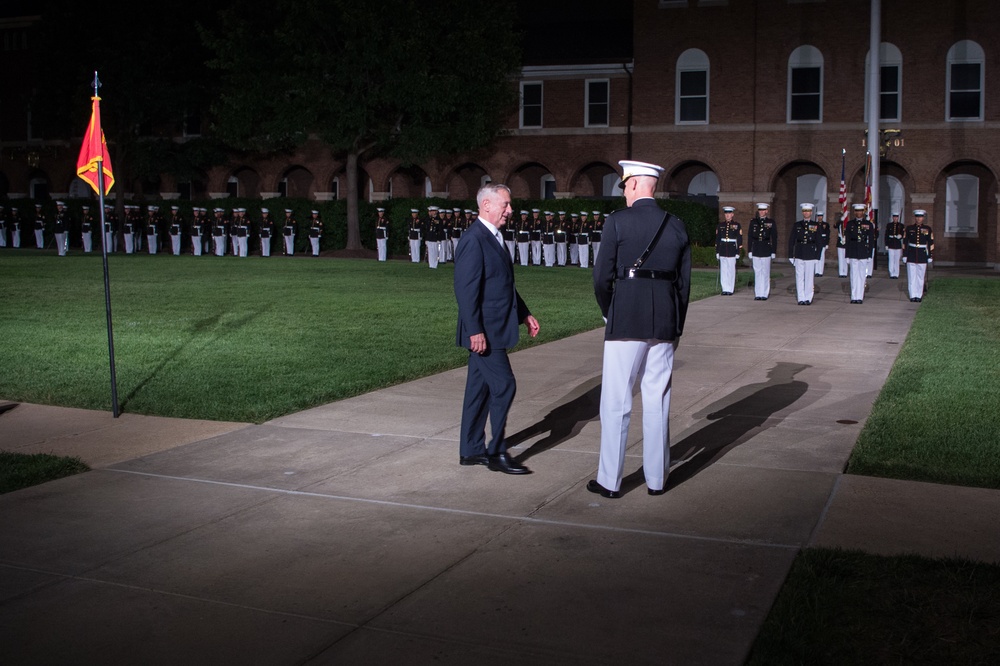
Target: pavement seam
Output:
[(466, 512)]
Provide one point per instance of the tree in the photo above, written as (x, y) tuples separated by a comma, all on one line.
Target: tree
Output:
[(404, 78)]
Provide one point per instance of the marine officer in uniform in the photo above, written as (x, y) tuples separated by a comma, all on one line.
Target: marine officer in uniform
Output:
[(642, 282), (596, 231), (918, 253), (87, 229), (824, 241), (894, 244), (561, 238), (414, 234), (728, 241), (842, 248), (859, 239), (382, 234), (175, 227), (804, 251), (432, 236), (523, 238), (39, 227), (153, 224), (266, 232), (762, 245), (61, 228), (315, 232), (15, 228), (547, 233), (535, 236), (288, 232)]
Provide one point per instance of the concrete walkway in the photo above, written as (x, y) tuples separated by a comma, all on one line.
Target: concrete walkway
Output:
[(348, 533)]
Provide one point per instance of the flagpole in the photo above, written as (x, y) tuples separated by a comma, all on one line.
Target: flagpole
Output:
[(107, 283)]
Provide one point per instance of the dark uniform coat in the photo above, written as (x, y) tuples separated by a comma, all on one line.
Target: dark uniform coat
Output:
[(763, 237), (643, 308), (859, 238), (918, 243), (728, 239), (805, 241)]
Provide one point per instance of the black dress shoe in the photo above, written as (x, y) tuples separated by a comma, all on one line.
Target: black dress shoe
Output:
[(504, 463), (481, 459), (594, 487), (656, 492), (757, 298)]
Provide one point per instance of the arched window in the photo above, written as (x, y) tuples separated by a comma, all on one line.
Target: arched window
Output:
[(811, 188), (548, 186), (691, 101), (890, 82), (705, 183), (966, 80), (961, 212), (805, 85)]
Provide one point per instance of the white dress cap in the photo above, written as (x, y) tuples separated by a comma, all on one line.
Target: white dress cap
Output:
[(632, 168)]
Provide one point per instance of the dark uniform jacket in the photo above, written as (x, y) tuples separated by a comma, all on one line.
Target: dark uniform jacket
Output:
[(894, 235), (728, 239), (381, 228), (643, 308), (918, 243), (763, 237), (860, 238), (805, 241)]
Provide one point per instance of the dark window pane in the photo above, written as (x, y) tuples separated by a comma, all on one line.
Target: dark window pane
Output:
[(532, 95), (965, 105), (597, 114), (890, 79), (965, 77), (889, 107), (805, 107), (598, 92), (532, 116), (805, 80), (693, 109), (693, 83)]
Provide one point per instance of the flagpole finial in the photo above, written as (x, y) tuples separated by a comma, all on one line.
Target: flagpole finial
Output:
[(97, 83)]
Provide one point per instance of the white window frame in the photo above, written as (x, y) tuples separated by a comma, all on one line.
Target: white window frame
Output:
[(959, 209), (804, 57), (541, 105), (965, 52), (889, 56), (586, 103), (692, 60)]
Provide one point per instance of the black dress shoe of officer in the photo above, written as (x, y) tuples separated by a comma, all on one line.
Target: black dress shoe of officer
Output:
[(481, 459), (594, 487), (656, 492), (504, 463)]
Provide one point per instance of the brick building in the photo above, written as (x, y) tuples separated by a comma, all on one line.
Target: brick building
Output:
[(740, 101)]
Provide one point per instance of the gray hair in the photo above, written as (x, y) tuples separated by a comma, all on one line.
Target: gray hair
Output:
[(488, 190)]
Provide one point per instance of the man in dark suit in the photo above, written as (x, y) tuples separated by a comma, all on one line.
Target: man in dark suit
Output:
[(642, 282), (489, 313)]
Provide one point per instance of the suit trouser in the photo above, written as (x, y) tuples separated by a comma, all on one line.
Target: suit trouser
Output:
[(510, 245), (727, 274), (151, 244), (522, 253), (489, 391), (595, 248), (805, 273), (432, 254), (821, 264), (88, 241), (314, 242), (265, 246), (624, 362), (383, 245), (550, 254), (196, 246), (220, 245), (61, 243), (894, 257), (290, 245), (858, 272), (129, 243), (584, 251), (39, 239), (3, 237), (561, 253), (842, 261), (536, 252), (175, 244), (15, 238), (761, 276), (915, 278), (574, 253), (415, 250)]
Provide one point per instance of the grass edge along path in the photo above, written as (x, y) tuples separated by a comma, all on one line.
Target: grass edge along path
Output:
[(21, 470)]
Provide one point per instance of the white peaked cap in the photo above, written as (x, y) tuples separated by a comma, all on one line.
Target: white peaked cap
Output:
[(632, 168)]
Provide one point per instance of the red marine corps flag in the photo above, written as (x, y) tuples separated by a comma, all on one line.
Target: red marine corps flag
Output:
[(94, 153), (842, 197)]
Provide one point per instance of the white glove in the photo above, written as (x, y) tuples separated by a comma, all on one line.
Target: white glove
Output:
[(773, 256), (716, 257), (904, 260), (929, 260), (750, 254), (791, 261)]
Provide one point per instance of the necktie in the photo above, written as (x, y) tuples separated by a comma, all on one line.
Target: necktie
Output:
[(499, 237)]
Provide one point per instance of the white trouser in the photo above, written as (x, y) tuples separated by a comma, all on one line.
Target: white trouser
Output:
[(129, 243), (595, 248), (3, 237), (88, 241), (220, 245), (842, 261), (175, 244), (242, 246), (624, 362), (61, 243), (561, 253), (511, 245), (894, 257), (415, 250), (522, 253), (265, 246), (432, 254), (915, 278), (584, 250), (821, 264), (15, 238), (314, 242), (761, 276), (727, 274), (859, 271), (869, 265), (550, 254), (290, 245), (445, 252), (383, 245), (805, 274), (536, 252), (235, 242), (454, 247), (39, 239), (151, 242), (196, 245), (574, 254)]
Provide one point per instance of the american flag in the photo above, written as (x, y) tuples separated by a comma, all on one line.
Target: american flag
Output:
[(842, 197)]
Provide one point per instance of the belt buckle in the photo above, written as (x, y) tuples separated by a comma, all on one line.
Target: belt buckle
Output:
[(630, 273)]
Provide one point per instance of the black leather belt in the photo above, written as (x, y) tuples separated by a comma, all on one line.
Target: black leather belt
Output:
[(649, 274)]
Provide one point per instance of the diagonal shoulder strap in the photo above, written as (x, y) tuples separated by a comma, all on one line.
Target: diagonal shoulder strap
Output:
[(652, 243)]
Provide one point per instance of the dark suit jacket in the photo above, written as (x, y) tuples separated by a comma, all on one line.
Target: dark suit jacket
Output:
[(484, 288), (643, 309)]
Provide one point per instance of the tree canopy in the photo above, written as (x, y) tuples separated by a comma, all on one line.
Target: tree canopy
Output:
[(404, 78)]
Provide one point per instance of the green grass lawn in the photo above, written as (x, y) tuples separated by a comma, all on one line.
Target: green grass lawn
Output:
[(936, 417), (21, 470), (246, 339)]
